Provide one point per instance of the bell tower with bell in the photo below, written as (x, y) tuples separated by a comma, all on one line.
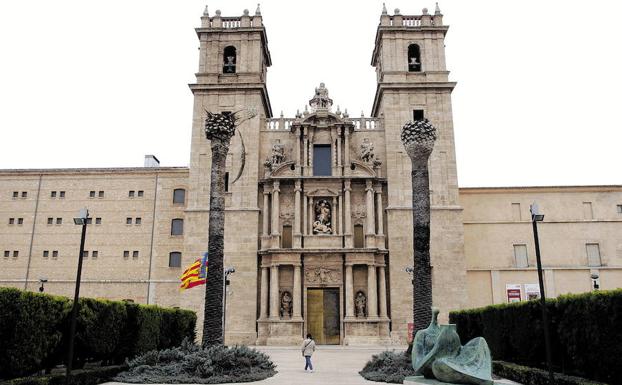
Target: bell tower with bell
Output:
[(412, 84)]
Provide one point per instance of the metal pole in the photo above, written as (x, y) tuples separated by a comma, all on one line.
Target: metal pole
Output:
[(224, 305), (74, 310), (545, 318)]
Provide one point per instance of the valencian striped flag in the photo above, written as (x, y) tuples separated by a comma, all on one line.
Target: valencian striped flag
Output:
[(195, 274)]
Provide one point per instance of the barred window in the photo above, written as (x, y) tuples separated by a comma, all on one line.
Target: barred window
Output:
[(174, 259), (177, 226)]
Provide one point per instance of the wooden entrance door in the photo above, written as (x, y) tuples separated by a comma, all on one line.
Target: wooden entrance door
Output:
[(323, 315)]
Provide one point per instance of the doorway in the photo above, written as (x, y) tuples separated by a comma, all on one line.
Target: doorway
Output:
[(323, 315)]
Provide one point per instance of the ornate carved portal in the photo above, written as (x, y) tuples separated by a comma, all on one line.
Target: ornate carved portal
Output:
[(322, 223)]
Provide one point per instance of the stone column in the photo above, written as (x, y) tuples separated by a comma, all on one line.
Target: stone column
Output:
[(305, 223), (333, 219), (382, 292), (311, 215), (310, 154), (297, 144), (379, 210), (305, 151), (274, 291), (266, 212), (297, 190), (346, 150), (297, 313), (339, 164), (348, 208), (333, 146), (275, 208), (340, 213), (371, 226), (264, 293), (372, 295), (349, 292)]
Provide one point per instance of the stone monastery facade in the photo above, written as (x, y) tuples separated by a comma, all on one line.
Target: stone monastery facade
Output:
[(318, 207)]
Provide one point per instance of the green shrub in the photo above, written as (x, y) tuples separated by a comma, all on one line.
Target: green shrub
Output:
[(388, 366), (176, 325), (91, 376), (534, 376), (191, 364), (586, 338)]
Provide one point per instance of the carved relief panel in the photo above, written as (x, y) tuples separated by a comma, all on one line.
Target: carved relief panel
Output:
[(323, 270)]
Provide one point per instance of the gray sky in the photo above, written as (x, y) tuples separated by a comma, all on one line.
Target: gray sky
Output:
[(100, 84)]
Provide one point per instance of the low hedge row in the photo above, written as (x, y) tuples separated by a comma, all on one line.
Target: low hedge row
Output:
[(535, 376), (34, 330), (586, 336), (78, 377)]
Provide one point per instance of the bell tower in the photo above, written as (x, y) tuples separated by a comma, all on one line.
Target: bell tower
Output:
[(233, 62), (412, 84)]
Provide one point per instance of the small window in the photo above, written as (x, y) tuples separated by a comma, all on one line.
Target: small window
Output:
[(287, 237), (20, 221), (53, 194), (15, 254), (7, 253), (141, 193), (128, 221), (229, 60), (177, 226), (135, 254), (50, 221), (24, 194), (174, 259), (59, 221), (138, 221), (322, 160), (516, 212), (94, 254), (126, 254), (619, 209), (359, 238), (15, 194), (98, 221), (226, 182), (100, 194), (55, 254), (62, 194), (179, 196), (46, 253), (593, 254), (89, 221), (92, 194), (85, 254), (520, 256), (588, 213), (11, 221), (414, 58), (418, 115), (131, 194)]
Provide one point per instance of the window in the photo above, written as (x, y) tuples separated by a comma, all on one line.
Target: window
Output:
[(128, 221), (414, 58), (89, 221), (85, 254), (94, 254), (226, 182), (131, 194), (229, 60), (50, 221), (53, 194), (135, 254), (619, 209), (418, 115), (138, 221), (15, 254), (177, 227), (141, 193), (179, 196), (11, 221), (516, 212), (55, 254), (359, 239), (100, 194), (62, 194), (24, 194), (59, 221), (321, 160), (46, 253), (287, 237), (92, 194), (174, 259), (20, 221), (588, 213), (520, 256), (15, 194), (98, 221), (7, 253), (126, 254), (593, 254)]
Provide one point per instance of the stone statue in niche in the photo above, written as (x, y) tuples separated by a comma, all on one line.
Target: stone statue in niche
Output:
[(360, 302), (367, 150), (278, 153), (322, 224), (286, 305)]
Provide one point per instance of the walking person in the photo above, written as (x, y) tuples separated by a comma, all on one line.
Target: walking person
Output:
[(308, 347)]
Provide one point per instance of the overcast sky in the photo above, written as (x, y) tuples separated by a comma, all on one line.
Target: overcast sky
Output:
[(100, 84)]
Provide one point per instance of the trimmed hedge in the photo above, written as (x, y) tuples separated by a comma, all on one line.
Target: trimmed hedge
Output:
[(586, 336), (535, 376), (78, 377), (34, 330)]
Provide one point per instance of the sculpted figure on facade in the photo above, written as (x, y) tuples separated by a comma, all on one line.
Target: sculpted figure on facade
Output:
[(321, 275), (286, 305), (278, 153), (322, 224), (320, 98), (367, 150), (361, 304)]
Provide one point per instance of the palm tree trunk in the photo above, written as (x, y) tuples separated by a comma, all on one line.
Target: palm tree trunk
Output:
[(213, 314), (422, 271)]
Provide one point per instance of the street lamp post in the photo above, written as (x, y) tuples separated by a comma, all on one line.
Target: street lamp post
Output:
[(225, 283), (535, 218), (42, 281), (81, 220)]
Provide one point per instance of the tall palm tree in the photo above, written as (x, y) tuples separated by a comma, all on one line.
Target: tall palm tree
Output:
[(219, 129), (418, 138)]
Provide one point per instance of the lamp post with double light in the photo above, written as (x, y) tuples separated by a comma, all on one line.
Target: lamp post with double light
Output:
[(81, 220)]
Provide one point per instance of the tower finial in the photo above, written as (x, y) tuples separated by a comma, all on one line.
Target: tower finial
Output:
[(205, 12), (384, 9), (437, 10), (258, 10)]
